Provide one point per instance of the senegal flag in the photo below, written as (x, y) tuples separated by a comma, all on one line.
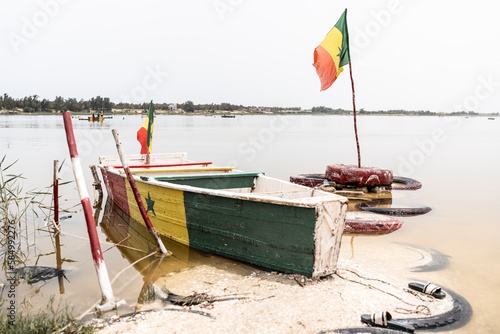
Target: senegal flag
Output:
[(333, 53), (145, 133)]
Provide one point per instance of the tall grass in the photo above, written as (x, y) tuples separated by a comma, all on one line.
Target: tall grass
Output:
[(16, 209), (56, 318), (14, 205)]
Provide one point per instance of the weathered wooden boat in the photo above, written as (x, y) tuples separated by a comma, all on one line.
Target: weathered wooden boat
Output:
[(249, 217)]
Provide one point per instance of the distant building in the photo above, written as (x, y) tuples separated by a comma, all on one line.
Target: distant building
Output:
[(172, 107)]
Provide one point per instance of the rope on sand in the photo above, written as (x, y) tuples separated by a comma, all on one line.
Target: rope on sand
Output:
[(419, 309)]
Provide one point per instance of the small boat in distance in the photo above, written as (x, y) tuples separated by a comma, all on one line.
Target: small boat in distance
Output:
[(249, 217), (228, 116), (491, 118)]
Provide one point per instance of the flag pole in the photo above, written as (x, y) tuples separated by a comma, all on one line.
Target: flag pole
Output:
[(137, 196), (150, 132), (354, 109)]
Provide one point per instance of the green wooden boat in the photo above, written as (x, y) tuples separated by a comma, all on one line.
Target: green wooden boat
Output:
[(249, 217)]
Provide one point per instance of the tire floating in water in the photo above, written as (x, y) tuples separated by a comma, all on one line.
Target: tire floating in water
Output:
[(361, 222), (399, 212), (358, 176), (408, 184), (316, 179), (309, 180)]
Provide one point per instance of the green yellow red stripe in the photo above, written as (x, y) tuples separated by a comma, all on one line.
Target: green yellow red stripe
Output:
[(332, 53), (165, 208), (145, 133)]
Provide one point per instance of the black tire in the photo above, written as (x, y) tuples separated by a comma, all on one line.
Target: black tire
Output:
[(457, 317), (366, 223), (398, 212), (408, 184), (358, 176), (309, 180), (439, 261)]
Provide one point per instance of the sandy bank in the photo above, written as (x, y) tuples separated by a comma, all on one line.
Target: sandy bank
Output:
[(261, 302)]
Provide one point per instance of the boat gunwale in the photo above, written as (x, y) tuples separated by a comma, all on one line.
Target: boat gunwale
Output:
[(306, 202)]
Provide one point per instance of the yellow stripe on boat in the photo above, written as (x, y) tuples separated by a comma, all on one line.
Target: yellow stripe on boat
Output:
[(165, 210), (178, 170)]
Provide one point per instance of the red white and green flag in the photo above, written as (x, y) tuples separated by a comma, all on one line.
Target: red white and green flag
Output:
[(145, 133), (333, 53)]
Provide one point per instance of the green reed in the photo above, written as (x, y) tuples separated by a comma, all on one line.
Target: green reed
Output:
[(55, 318), (17, 208)]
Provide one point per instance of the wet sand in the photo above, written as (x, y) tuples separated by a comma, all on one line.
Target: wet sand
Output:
[(255, 301)]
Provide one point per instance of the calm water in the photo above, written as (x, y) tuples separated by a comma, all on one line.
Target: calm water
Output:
[(456, 159)]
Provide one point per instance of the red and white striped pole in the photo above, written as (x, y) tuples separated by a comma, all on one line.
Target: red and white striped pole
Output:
[(102, 273), (56, 192), (137, 196)]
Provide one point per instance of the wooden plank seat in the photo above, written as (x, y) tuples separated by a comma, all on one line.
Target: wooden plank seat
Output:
[(211, 181), (180, 170), (206, 163), (285, 192)]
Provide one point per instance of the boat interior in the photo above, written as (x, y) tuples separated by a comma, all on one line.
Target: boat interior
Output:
[(175, 168)]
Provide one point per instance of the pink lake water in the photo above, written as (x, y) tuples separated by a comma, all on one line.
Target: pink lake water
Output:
[(457, 160)]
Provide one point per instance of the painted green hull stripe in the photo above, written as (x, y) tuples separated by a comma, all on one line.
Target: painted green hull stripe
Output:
[(214, 181), (272, 236), (242, 238)]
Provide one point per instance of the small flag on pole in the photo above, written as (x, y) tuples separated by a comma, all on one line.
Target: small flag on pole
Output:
[(145, 133), (333, 53), (330, 57)]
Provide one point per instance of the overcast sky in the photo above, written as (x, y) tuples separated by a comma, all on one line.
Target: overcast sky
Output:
[(415, 55)]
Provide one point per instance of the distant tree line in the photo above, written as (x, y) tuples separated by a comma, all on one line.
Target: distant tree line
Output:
[(362, 111), (326, 110), (465, 113), (420, 113), (33, 104), (189, 106)]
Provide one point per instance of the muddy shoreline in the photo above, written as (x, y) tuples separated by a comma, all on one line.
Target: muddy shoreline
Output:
[(248, 300)]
